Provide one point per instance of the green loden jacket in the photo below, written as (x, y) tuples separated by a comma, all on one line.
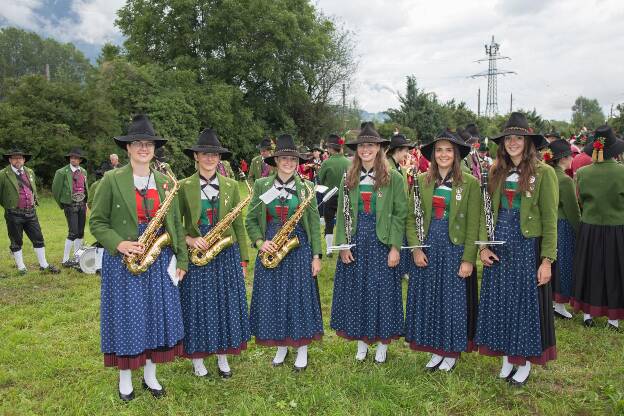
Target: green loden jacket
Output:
[(463, 217), (189, 198), (9, 188), (538, 210), (601, 193), (390, 212), (255, 169), (332, 170), (568, 204), (114, 218), (92, 190), (256, 221), (62, 185)]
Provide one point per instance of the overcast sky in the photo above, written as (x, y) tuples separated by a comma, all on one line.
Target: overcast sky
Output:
[(559, 48)]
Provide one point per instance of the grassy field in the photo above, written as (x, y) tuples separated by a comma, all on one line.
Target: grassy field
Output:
[(50, 363)]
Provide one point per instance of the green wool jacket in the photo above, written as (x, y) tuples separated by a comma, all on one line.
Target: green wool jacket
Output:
[(189, 198), (114, 217), (256, 221), (568, 204), (464, 214), (390, 212), (255, 170), (91, 194), (402, 172), (332, 170), (601, 193), (9, 188), (228, 169), (62, 185), (538, 210)]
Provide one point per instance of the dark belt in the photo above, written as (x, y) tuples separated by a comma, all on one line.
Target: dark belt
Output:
[(21, 211)]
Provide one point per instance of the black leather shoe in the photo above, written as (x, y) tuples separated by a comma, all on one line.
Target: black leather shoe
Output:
[(126, 397), (50, 269), (274, 364), (589, 323), (515, 383), (613, 328), (435, 367), (69, 264), (225, 374), (511, 374), (156, 393)]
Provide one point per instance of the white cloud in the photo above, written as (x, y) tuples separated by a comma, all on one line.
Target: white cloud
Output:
[(20, 13)]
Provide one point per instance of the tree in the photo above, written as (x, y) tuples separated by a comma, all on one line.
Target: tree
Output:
[(587, 113), (618, 122)]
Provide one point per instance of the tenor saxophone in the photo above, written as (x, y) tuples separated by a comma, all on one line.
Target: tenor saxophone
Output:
[(215, 238), (281, 239), (153, 244)]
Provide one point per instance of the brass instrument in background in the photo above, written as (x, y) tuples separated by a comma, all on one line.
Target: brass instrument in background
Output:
[(153, 244), (281, 240), (215, 238)]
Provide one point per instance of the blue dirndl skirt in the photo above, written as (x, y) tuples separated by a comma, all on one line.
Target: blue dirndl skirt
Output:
[(214, 305), (285, 302), (515, 315), (140, 315), (562, 282), (367, 303), (441, 306)]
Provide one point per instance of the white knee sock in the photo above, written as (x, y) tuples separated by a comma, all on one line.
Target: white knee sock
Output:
[(149, 375), (329, 241), (280, 355), (523, 372), (362, 350), (302, 357), (125, 381), (19, 260), (199, 367), (586, 316), (506, 368), (77, 244), (434, 361), (614, 322), (447, 364), (381, 352), (67, 251), (560, 308), (222, 362), (41, 257)]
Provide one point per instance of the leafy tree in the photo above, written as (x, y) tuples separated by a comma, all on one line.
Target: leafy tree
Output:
[(587, 112)]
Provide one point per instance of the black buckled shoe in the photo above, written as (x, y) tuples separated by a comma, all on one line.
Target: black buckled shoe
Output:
[(156, 393), (69, 264), (126, 397), (50, 269), (589, 323), (224, 374), (613, 328), (515, 383)]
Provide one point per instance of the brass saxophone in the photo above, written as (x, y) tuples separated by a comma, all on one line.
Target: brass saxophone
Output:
[(215, 238), (281, 240), (153, 244)]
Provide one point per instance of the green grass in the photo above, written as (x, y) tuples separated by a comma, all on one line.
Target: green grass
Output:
[(50, 363)]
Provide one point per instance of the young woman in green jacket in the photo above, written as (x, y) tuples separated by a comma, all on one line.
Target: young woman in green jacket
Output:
[(515, 308), (442, 293), (367, 304)]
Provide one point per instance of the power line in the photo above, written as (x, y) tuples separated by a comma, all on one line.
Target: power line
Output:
[(491, 51)]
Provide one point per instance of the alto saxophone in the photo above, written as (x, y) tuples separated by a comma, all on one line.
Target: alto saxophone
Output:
[(153, 244), (215, 238), (281, 240)]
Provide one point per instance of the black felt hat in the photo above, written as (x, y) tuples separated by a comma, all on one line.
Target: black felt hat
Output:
[(397, 141), (208, 142), (464, 149), (559, 149), (611, 145), (334, 141), (368, 134), (76, 152), (472, 132), (285, 146), (554, 134), (140, 129), (518, 125), (265, 144), (17, 152)]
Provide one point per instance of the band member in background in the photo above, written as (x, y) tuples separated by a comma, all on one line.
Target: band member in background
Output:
[(330, 175), (598, 271), (420, 163), (552, 136), (484, 157), (18, 197), (582, 159), (70, 191), (214, 302), (441, 310), (140, 315), (259, 168), (515, 317), (111, 163), (285, 305), (559, 156), (367, 304)]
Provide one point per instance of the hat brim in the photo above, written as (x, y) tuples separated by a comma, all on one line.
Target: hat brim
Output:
[(122, 141), (427, 149), (406, 145), (360, 140), (612, 151), (538, 140), (271, 159), (562, 155), (334, 146), (26, 156), (84, 159), (190, 151)]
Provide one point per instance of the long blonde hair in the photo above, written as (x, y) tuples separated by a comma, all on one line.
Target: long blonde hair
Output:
[(380, 166)]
